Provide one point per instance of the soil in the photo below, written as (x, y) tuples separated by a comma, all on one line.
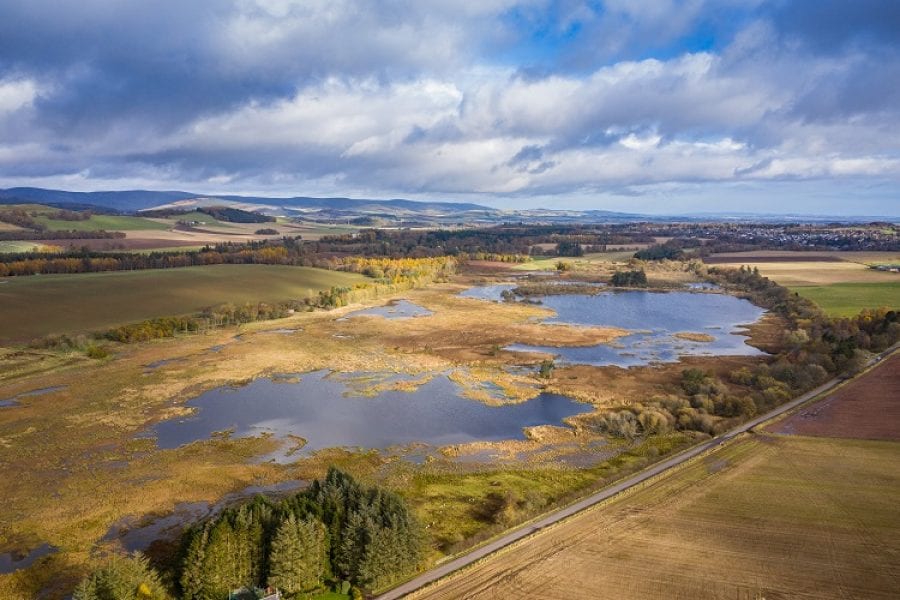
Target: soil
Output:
[(793, 518), (867, 408), (122, 243)]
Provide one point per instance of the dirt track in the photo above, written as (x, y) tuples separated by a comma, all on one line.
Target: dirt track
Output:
[(867, 408)]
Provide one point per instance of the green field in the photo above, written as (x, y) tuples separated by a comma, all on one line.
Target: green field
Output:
[(40, 305), (104, 222), (847, 299), (198, 216)]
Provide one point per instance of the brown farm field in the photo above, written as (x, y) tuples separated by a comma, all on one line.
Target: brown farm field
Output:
[(866, 408), (803, 256), (767, 517)]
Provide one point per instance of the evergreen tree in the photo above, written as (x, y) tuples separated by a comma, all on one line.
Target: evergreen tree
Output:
[(298, 555), (192, 565), (122, 578)]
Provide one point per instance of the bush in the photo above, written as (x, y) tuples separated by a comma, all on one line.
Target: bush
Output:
[(546, 370), (96, 352), (629, 279)]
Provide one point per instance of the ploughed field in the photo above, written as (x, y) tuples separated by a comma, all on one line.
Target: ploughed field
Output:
[(768, 516), (40, 305), (864, 408)]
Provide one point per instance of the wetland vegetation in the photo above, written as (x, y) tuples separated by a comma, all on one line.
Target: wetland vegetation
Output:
[(416, 377)]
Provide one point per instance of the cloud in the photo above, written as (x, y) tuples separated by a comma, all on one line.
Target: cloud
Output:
[(501, 98)]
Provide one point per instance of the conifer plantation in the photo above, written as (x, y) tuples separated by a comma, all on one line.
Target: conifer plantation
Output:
[(336, 530)]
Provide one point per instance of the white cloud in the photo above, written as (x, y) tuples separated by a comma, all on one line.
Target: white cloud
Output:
[(16, 94)]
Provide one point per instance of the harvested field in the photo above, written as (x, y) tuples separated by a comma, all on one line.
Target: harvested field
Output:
[(762, 518), (865, 408), (40, 305), (805, 273)]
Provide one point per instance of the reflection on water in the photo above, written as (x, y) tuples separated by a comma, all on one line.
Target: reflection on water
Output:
[(319, 409), (13, 561), (133, 536), (14, 401), (655, 317), (492, 293), (396, 309)]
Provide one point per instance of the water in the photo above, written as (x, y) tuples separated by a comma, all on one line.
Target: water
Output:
[(14, 401), (133, 536), (151, 366), (703, 285), (491, 293), (655, 317), (319, 409), (397, 309), (12, 561)]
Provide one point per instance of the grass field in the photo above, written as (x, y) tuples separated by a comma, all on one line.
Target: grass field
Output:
[(44, 304), (847, 299), (767, 517), (105, 222)]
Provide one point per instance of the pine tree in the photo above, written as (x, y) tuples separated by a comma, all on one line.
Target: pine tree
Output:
[(122, 578), (298, 555), (192, 566)]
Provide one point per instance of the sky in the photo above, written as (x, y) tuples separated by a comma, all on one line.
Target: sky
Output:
[(652, 106)]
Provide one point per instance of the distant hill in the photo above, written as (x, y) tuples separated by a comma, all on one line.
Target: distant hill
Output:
[(137, 200), (126, 201), (370, 211)]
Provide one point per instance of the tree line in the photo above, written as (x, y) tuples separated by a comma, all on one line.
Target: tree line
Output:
[(286, 251)]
